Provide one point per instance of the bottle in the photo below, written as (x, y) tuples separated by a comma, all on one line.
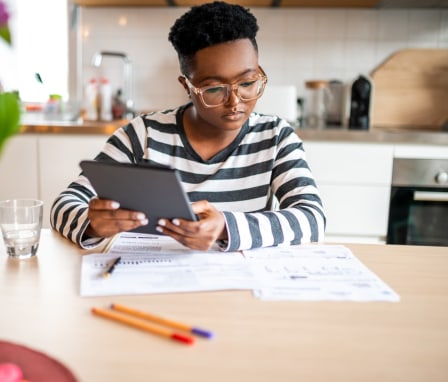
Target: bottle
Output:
[(336, 103), (300, 112), (53, 107), (316, 102), (105, 100), (118, 105), (91, 100)]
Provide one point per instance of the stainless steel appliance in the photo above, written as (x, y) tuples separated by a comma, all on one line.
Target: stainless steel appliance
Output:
[(418, 210)]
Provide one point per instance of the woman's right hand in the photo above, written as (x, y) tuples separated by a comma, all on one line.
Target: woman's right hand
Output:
[(107, 218)]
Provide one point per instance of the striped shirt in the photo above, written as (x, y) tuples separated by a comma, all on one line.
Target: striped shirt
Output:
[(261, 181)]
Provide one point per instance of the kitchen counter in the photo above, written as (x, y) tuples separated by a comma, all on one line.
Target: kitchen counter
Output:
[(72, 127), (374, 135)]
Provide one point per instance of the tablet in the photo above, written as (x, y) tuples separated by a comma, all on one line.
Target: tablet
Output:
[(156, 191)]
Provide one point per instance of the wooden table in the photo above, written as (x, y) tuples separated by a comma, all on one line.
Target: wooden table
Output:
[(255, 340)]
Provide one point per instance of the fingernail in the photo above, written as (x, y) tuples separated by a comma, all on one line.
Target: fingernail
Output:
[(115, 205), (159, 229), (175, 222), (141, 216), (162, 222), (145, 221)]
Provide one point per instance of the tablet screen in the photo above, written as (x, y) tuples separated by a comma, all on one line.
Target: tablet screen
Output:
[(156, 191)]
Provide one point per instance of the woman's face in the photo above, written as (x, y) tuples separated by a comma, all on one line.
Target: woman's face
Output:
[(227, 63)]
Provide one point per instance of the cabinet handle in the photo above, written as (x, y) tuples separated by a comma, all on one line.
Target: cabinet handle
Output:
[(431, 196)]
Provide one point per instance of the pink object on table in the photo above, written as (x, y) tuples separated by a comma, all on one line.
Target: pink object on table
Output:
[(33, 365), (10, 372)]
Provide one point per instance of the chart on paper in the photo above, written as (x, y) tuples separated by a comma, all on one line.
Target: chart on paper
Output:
[(316, 273)]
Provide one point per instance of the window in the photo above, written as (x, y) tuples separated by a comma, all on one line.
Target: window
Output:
[(40, 45)]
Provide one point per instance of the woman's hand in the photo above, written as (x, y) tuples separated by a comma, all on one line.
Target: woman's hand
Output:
[(200, 234), (107, 219)]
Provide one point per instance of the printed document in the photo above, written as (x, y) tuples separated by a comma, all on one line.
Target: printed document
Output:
[(316, 272), (158, 264)]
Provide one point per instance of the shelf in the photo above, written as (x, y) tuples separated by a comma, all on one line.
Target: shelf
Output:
[(272, 3)]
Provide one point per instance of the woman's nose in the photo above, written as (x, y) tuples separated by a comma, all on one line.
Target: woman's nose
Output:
[(233, 97)]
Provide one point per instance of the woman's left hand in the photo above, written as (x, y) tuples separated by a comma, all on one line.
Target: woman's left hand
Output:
[(201, 234)]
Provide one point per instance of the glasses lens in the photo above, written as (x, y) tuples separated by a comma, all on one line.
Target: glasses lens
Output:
[(214, 96), (250, 89)]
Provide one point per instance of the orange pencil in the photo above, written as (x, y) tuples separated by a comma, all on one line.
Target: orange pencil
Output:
[(162, 321), (130, 321)]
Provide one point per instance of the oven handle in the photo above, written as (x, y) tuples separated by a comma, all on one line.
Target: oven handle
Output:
[(429, 196)]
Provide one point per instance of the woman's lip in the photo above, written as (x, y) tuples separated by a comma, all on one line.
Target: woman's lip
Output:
[(234, 115)]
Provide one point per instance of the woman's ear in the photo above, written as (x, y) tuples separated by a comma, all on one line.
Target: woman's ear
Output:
[(181, 79)]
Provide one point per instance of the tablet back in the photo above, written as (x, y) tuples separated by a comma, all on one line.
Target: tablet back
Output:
[(156, 191)]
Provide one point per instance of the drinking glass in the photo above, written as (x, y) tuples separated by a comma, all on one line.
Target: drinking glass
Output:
[(21, 223)]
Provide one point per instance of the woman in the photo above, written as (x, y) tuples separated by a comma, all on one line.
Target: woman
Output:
[(246, 173)]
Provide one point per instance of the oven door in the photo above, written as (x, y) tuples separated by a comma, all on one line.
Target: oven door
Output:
[(418, 216)]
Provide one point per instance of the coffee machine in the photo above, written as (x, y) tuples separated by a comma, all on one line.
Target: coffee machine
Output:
[(360, 100)]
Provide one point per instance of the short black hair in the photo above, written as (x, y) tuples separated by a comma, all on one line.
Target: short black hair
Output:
[(210, 24)]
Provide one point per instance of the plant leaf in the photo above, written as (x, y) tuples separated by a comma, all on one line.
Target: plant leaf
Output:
[(9, 116), (5, 34)]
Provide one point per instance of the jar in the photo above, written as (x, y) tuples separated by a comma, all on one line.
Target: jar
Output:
[(316, 103)]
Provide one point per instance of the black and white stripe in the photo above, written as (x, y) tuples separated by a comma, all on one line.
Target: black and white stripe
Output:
[(267, 158)]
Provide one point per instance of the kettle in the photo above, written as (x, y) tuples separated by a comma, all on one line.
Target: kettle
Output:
[(360, 103)]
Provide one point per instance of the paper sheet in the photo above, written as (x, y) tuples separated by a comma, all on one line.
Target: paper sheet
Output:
[(157, 264), (134, 243), (316, 273)]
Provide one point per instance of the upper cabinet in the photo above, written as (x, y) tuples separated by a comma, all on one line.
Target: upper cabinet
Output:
[(275, 3)]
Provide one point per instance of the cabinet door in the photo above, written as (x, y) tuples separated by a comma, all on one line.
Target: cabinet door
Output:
[(19, 168), (356, 211), (59, 163), (354, 180), (351, 163)]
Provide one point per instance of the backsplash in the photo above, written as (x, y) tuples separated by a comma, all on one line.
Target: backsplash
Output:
[(295, 45)]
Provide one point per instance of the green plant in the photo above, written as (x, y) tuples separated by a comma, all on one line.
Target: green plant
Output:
[(9, 101), (9, 116)]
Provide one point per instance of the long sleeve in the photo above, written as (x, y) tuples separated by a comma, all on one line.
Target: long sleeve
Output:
[(69, 211), (298, 217)]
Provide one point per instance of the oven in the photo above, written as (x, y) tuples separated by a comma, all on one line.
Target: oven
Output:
[(418, 209)]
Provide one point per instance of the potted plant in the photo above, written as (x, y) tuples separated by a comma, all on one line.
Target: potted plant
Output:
[(9, 101)]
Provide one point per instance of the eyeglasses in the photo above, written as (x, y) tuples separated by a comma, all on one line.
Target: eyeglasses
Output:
[(218, 95)]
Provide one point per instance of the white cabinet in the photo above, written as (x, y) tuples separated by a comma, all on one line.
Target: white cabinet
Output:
[(19, 168), (354, 180), (59, 163), (41, 166)]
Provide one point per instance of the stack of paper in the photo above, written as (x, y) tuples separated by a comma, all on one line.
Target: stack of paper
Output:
[(158, 264)]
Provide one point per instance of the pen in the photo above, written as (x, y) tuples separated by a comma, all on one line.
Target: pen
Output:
[(112, 267), (162, 321), (139, 324), (110, 243)]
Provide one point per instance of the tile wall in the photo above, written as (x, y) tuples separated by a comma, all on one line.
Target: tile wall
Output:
[(295, 44)]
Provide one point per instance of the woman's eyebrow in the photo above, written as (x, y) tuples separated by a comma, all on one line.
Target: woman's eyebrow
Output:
[(224, 80)]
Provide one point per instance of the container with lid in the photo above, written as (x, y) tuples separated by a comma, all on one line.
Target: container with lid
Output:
[(316, 103)]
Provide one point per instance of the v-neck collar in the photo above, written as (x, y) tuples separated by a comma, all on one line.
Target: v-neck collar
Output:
[(220, 156)]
